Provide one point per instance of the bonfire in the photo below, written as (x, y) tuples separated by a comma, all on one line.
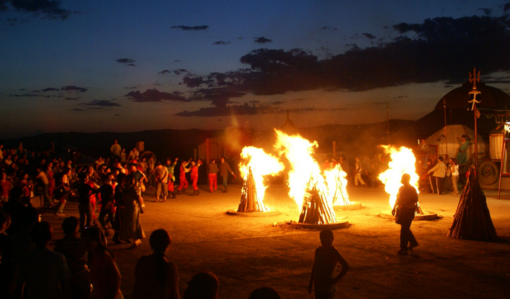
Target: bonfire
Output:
[(255, 166), (402, 161), (307, 185)]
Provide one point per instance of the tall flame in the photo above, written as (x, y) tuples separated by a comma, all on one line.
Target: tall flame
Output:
[(402, 161), (261, 165), (305, 174), (336, 181)]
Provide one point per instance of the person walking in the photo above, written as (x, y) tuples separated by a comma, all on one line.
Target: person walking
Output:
[(358, 171), (46, 186), (224, 171), (161, 174), (213, 175), (194, 175), (131, 228), (183, 182), (439, 173), (454, 169), (404, 209)]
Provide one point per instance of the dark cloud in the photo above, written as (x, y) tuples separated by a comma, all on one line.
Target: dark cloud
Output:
[(262, 40), (440, 49), (506, 7), (50, 89), (78, 109), (154, 95), (72, 99), (369, 35), (486, 11), (130, 87), (48, 9), (221, 43), (176, 71), (246, 109), (102, 103), (329, 28), (29, 95), (192, 28), (131, 64), (74, 88), (126, 61)]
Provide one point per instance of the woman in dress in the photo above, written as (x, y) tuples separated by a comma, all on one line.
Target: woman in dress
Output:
[(131, 229)]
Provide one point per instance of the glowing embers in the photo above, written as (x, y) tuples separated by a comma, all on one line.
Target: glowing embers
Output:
[(255, 166), (307, 185)]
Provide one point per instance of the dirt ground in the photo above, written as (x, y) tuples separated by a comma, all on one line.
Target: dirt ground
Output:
[(249, 252)]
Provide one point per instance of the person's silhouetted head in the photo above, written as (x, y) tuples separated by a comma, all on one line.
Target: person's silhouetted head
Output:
[(264, 293), (159, 240), (406, 178), (203, 285), (440, 158), (70, 226), (327, 238), (94, 238), (41, 234)]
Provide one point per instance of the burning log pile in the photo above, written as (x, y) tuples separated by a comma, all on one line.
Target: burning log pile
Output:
[(255, 166), (472, 221), (313, 192), (316, 209), (249, 201)]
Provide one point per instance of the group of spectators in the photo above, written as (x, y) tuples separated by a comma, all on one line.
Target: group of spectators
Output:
[(80, 266)]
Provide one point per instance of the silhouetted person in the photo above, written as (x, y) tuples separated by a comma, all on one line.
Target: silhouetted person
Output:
[(104, 273), (6, 262), (405, 206), (264, 293), (155, 276), (42, 272), (75, 252), (438, 176), (203, 285), (323, 279)]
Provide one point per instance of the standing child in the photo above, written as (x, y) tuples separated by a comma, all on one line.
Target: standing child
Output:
[(323, 279)]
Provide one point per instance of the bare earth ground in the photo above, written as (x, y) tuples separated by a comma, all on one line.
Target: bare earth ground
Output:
[(249, 252)]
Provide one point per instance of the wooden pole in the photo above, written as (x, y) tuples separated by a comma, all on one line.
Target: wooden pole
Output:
[(387, 123), (445, 132), (476, 139)]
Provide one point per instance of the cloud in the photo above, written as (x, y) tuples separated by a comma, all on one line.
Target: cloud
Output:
[(102, 103), (50, 89), (74, 88), (369, 35), (176, 71), (434, 50), (246, 109), (72, 99), (154, 95), (506, 7), (29, 95), (130, 87), (78, 109), (49, 9), (127, 61), (192, 28), (221, 43), (262, 40), (329, 28)]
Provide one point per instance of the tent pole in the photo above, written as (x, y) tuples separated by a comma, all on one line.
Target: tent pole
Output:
[(445, 136)]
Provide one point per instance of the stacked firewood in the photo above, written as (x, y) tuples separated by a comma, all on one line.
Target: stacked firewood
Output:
[(472, 221), (249, 201), (316, 209)]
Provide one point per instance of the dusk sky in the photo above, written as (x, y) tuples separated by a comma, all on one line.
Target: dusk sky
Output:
[(122, 66)]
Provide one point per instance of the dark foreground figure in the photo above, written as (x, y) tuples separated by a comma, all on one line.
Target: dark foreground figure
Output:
[(405, 206), (472, 221)]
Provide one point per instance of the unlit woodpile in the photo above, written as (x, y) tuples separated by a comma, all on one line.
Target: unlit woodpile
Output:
[(249, 202), (316, 210), (472, 221)]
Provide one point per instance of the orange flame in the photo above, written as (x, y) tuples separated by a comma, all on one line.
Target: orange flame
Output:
[(402, 161), (305, 173), (261, 165)]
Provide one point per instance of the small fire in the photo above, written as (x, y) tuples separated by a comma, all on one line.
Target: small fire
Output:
[(261, 165), (308, 187), (402, 161)]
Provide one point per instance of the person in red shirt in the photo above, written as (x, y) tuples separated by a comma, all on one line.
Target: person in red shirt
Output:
[(182, 176), (194, 175)]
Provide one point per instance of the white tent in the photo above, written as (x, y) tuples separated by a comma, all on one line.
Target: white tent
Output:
[(449, 143)]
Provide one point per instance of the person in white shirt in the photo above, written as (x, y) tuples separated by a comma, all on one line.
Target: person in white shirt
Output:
[(454, 170), (115, 150), (439, 173)]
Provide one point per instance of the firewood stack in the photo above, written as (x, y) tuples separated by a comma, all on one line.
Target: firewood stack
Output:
[(249, 201), (316, 210), (472, 221)]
